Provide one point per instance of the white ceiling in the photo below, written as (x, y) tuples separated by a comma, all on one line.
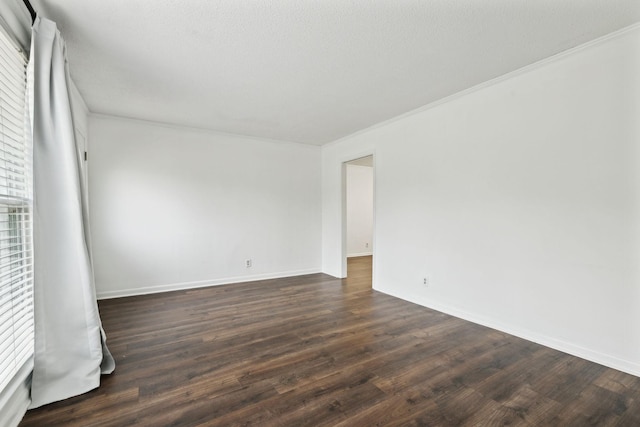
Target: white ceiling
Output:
[(309, 71)]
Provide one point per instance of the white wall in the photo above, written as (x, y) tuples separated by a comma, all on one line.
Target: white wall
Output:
[(80, 114), (519, 200), (173, 207), (79, 109), (359, 210)]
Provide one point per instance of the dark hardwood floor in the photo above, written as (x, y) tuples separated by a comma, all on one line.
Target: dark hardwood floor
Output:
[(319, 351)]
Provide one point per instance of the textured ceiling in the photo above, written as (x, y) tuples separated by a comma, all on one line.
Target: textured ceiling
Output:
[(309, 71)]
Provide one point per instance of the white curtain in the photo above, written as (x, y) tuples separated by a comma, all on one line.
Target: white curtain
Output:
[(70, 350)]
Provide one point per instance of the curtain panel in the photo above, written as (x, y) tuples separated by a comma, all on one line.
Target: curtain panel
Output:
[(70, 348)]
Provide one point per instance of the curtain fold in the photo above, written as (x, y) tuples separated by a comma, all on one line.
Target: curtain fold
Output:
[(70, 345)]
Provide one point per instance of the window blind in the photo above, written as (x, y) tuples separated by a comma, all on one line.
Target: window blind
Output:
[(16, 254)]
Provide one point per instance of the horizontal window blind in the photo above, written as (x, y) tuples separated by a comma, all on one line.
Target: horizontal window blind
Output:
[(16, 255)]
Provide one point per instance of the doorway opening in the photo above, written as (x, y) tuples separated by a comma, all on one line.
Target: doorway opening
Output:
[(358, 221)]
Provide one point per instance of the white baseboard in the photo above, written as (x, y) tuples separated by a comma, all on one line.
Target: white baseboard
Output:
[(144, 290), (604, 359), (359, 254)]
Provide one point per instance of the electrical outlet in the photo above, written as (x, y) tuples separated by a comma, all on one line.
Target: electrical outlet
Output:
[(425, 281), (366, 245), (247, 263)]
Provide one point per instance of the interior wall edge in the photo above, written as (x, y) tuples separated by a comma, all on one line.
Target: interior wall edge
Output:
[(181, 127), (358, 254), (608, 360), (492, 82), (155, 289)]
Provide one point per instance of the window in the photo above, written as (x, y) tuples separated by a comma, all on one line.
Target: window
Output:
[(16, 255)]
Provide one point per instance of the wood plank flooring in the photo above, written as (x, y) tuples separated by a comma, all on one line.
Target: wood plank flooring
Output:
[(319, 351)]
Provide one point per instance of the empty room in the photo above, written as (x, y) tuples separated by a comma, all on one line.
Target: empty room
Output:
[(320, 213)]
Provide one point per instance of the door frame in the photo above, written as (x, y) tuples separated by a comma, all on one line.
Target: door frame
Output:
[(343, 219)]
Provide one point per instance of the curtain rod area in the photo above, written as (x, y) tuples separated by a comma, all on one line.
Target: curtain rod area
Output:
[(32, 12)]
